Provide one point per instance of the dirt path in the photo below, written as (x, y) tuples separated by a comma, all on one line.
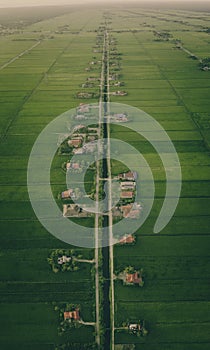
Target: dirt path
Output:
[(85, 261), (20, 55)]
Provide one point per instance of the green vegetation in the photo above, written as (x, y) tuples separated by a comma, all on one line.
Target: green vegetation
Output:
[(152, 67), (63, 260)]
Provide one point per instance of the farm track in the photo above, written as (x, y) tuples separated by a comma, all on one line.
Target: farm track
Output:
[(20, 55)]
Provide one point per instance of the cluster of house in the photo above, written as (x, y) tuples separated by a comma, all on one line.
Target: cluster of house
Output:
[(83, 139), (127, 206)]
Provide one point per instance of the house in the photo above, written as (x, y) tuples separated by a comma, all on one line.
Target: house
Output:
[(92, 138), (78, 151), (120, 117), (134, 327), (126, 185), (92, 79), (131, 211), (64, 259), (93, 130), (133, 278), (89, 147), (126, 194), (85, 95), (113, 77), (206, 68), (87, 85), (68, 166), (127, 239), (83, 108), (72, 315), (78, 127), (130, 176), (75, 142), (73, 210), (80, 117), (75, 166), (67, 194), (119, 93), (119, 83)]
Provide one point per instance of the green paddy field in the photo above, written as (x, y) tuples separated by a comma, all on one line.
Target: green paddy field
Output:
[(166, 83)]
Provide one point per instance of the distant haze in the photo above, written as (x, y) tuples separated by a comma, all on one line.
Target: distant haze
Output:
[(17, 3)]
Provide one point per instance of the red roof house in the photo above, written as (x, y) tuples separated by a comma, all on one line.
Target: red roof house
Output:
[(126, 194), (130, 175), (72, 315), (127, 239), (75, 142), (133, 278)]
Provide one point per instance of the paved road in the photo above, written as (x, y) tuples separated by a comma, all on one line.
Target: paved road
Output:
[(111, 257), (97, 210)]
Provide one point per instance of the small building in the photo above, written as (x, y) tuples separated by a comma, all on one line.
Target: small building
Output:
[(64, 259), (120, 117), (126, 194), (75, 142), (67, 194), (73, 210), (131, 211), (75, 166), (130, 176), (87, 85), (119, 83), (92, 138), (134, 327), (92, 79), (80, 117), (68, 166), (71, 315), (78, 151), (78, 127), (206, 68), (133, 278), (127, 239), (85, 95), (83, 108), (89, 147), (95, 130), (126, 185), (119, 93)]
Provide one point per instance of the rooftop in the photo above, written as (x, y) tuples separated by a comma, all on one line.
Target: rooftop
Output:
[(126, 194), (133, 278), (127, 239), (72, 315)]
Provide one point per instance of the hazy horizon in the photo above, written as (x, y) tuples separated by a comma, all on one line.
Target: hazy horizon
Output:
[(28, 3)]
